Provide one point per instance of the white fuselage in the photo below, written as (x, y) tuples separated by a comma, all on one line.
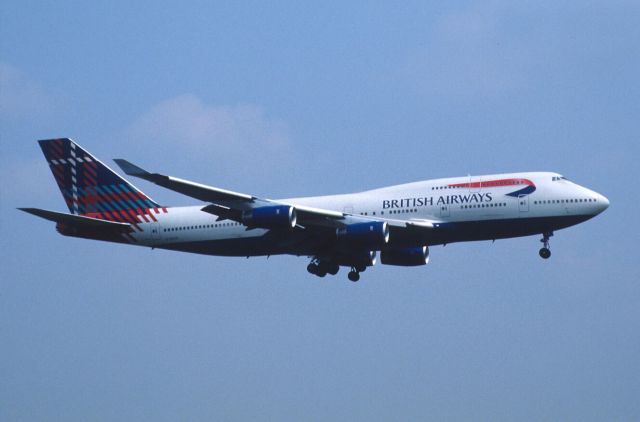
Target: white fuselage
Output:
[(548, 201)]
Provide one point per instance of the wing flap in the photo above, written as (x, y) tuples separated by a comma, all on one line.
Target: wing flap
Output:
[(420, 224), (223, 212)]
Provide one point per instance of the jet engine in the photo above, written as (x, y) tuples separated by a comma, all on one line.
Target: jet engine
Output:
[(360, 260), (405, 257), (271, 217), (372, 235)]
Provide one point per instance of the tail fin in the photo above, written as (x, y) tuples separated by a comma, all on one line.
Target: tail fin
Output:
[(91, 188)]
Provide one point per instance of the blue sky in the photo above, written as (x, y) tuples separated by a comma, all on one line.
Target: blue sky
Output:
[(294, 99)]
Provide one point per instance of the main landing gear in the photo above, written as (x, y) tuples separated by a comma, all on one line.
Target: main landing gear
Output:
[(545, 252), (322, 268)]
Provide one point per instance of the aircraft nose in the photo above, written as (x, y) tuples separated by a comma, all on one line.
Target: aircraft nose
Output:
[(603, 202)]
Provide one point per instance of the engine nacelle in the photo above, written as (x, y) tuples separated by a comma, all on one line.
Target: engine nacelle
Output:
[(359, 260), (405, 257), (271, 217), (373, 234)]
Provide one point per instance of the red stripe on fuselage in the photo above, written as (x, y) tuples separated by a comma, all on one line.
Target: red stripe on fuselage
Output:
[(494, 183)]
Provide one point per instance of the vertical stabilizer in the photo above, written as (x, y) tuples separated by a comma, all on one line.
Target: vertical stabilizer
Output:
[(91, 188)]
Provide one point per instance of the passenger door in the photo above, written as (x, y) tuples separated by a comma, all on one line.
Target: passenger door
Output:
[(156, 233), (523, 203)]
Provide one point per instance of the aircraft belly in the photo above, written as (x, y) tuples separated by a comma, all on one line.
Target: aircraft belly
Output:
[(235, 247), (444, 233), (271, 243), (462, 231)]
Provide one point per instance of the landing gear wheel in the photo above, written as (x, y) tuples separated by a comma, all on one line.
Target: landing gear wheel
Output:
[(545, 253), (353, 276), (312, 268), (333, 269), (322, 268)]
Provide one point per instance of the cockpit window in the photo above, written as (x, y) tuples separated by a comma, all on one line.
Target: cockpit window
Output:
[(556, 178)]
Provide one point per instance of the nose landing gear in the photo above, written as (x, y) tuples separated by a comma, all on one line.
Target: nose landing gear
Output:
[(545, 252)]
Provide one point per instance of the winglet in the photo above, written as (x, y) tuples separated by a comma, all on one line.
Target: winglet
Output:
[(135, 171), (131, 169)]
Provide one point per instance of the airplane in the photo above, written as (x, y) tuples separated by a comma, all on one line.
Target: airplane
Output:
[(399, 223)]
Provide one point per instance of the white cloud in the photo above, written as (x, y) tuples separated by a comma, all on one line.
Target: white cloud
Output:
[(213, 143), (187, 121), (21, 97)]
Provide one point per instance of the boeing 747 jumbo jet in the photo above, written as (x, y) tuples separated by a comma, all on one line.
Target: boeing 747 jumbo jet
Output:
[(398, 222)]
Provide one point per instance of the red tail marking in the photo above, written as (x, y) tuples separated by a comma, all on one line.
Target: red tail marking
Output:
[(132, 214), (126, 217), (151, 215), (89, 180), (108, 216), (56, 148), (89, 168), (141, 213)]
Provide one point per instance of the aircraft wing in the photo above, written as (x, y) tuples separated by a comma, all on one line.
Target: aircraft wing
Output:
[(195, 190), (227, 204)]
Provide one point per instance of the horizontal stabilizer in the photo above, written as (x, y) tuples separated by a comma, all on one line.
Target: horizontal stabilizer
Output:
[(76, 220)]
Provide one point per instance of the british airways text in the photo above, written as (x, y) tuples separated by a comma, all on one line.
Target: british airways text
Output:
[(440, 200)]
